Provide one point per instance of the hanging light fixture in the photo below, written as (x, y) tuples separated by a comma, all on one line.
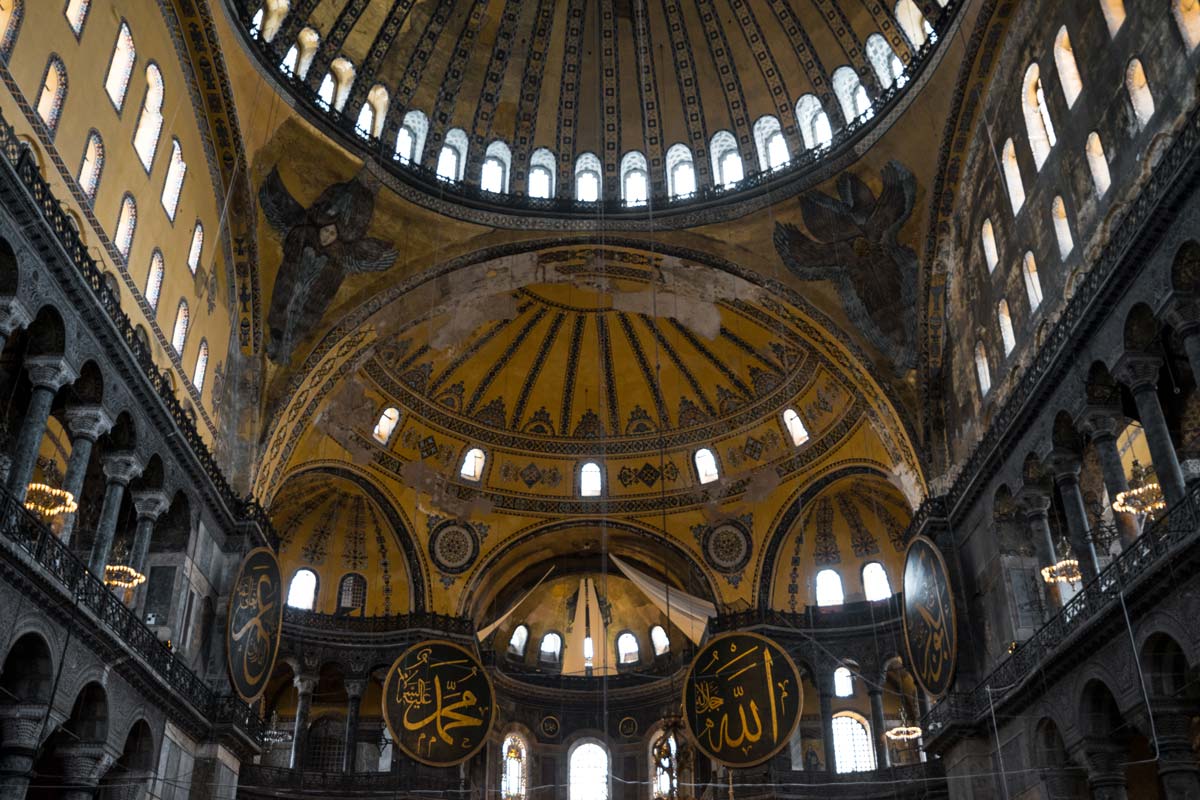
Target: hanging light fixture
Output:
[(903, 732), (1144, 495), (1064, 571), (121, 576), (48, 502)]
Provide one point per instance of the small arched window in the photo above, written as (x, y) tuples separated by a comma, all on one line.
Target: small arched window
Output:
[(53, 94), (1012, 176), (120, 66), (1007, 336), (201, 366), (888, 67), (982, 371), (341, 79), (1033, 284), (875, 581), (588, 772), (628, 651), (726, 160), (267, 24), (1139, 92), (150, 120), (1114, 15), (1187, 17), (173, 184), (1062, 227), (11, 14), (76, 12), (197, 248), (1068, 70), (126, 226), (325, 91), (1038, 124), (813, 122), (179, 333), (386, 424), (660, 640), (372, 113), (452, 160), (851, 94), (769, 142), (514, 771), (518, 640), (843, 682), (988, 236), (681, 171), (829, 588), (587, 178), (302, 592), (541, 174), (497, 163), (795, 427), (591, 480), (664, 756), (410, 141), (93, 165), (706, 465), (916, 28), (300, 57), (352, 593), (154, 279), (550, 650), (472, 465), (852, 747), (635, 180), (1098, 164)]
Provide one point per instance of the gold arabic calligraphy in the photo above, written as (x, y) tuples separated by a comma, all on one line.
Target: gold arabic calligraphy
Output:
[(442, 702), (257, 598), (932, 638)]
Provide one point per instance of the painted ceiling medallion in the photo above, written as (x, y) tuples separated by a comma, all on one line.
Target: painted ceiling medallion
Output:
[(727, 546), (453, 546)]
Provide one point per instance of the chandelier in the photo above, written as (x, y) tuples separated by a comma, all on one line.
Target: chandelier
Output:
[(120, 576), (903, 732), (275, 735), (1144, 495), (48, 502), (1065, 571)]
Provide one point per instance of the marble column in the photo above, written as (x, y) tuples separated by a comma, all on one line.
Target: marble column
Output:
[(119, 469), (826, 700), (1035, 502), (1066, 465), (13, 315), (86, 424), (20, 727), (878, 726), (1105, 768), (304, 688), (1102, 426), (48, 374), (1177, 767), (150, 504), (354, 691), (1140, 373), (1183, 314)]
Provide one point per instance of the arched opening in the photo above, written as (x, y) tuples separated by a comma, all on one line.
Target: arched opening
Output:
[(550, 649), (53, 94), (541, 174), (28, 675), (851, 95), (1038, 125), (410, 139), (681, 172), (518, 641), (813, 122), (1062, 227), (515, 768), (173, 185), (795, 427), (706, 466), (769, 143), (1098, 164), (987, 235), (452, 160), (852, 746), (588, 772), (120, 67), (1187, 18), (1012, 176), (325, 750), (889, 69), (10, 24), (726, 160), (635, 179), (373, 112), (497, 164), (1114, 15), (1139, 92), (1068, 70), (660, 640), (664, 759), (875, 582), (180, 331), (982, 371), (472, 464), (126, 226), (1033, 284), (591, 480), (352, 594), (195, 251), (299, 56), (93, 165), (843, 682), (150, 120), (76, 13), (302, 591), (1006, 327), (385, 425), (587, 178), (201, 366), (829, 588), (916, 28), (628, 650)]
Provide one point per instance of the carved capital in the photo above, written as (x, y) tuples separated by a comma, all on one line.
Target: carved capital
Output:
[(305, 684), (1034, 500), (1064, 464), (50, 372), (121, 467), (1138, 371), (13, 315), (1100, 422), (356, 687), (83, 762), (150, 503), (88, 422), (21, 725), (1182, 312)]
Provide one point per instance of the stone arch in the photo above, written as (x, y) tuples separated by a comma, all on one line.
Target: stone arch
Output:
[(1185, 268), (28, 673), (89, 714), (173, 530), (1141, 329), (88, 388), (135, 764), (1050, 755), (1164, 665), (47, 334), (10, 269)]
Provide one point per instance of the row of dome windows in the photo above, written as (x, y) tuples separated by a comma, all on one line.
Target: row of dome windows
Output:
[(591, 476), (634, 182), (550, 647)]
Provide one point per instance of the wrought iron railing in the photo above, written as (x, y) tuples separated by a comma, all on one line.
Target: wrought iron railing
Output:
[(256, 776), (848, 615), (391, 623)]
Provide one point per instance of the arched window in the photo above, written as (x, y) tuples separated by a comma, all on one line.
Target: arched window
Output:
[(726, 160), (290, 60), (988, 235), (916, 28), (628, 651), (843, 682), (93, 165), (1187, 17), (352, 592), (1114, 15), (795, 427), (1139, 92), (588, 772), (149, 125), (77, 11), (851, 94), (154, 279), (10, 24), (769, 142), (664, 753), (126, 226), (174, 182), (829, 588), (587, 178), (541, 174), (1006, 327), (1098, 164), (852, 747), (518, 640), (813, 122), (706, 465), (325, 91), (267, 24), (194, 252), (1062, 227), (1038, 124), (300, 56), (452, 160), (660, 640), (875, 582), (120, 66), (497, 163), (589, 652), (888, 67), (681, 171), (410, 141), (635, 180), (514, 771), (1068, 70), (335, 86), (591, 480), (472, 465), (372, 113), (1033, 285), (1012, 176), (201, 366), (386, 424), (550, 650), (53, 94), (179, 333), (982, 371), (302, 593)]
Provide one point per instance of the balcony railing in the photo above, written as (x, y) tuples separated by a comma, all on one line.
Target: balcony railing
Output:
[(272, 779), (847, 615), (391, 623)]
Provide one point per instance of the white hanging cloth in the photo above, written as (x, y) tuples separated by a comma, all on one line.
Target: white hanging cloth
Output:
[(685, 611), (486, 632)]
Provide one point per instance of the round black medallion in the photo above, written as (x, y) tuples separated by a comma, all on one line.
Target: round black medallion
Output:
[(727, 546), (254, 624), (453, 547), (930, 634)]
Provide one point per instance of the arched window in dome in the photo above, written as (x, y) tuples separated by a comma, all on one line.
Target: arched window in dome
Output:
[(988, 236), (1114, 15), (173, 184), (587, 178), (852, 746), (472, 465), (726, 160), (386, 424), (769, 143), (1139, 92), (1098, 164), (53, 94), (372, 113), (795, 427), (11, 14), (681, 171), (150, 120), (300, 55), (829, 588), (126, 226), (180, 331), (452, 160), (1038, 124), (302, 591), (120, 67), (154, 279), (197, 248), (268, 19), (410, 140), (497, 164), (843, 682), (1068, 69), (851, 94), (550, 650), (875, 581), (352, 593), (591, 480), (1033, 284), (660, 640), (92, 166), (889, 69), (1012, 176), (813, 122), (916, 28), (201, 366), (1062, 227), (1007, 336), (515, 769), (628, 651), (706, 465), (664, 756), (542, 166), (588, 772), (589, 652), (335, 86), (1187, 17), (635, 180), (518, 640)]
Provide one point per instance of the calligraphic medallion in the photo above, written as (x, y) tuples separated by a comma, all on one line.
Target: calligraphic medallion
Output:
[(930, 632), (438, 703), (742, 699), (254, 624)]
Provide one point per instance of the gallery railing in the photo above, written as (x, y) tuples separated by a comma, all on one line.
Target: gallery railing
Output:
[(389, 623), (255, 776), (847, 615)]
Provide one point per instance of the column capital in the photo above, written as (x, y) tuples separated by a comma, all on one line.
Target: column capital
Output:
[(1065, 464), (1138, 371), (1182, 312), (88, 422), (121, 467), (150, 503), (50, 372), (1034, 500), (356, 687), (13, 315), (1100, 422), (305, 684)]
